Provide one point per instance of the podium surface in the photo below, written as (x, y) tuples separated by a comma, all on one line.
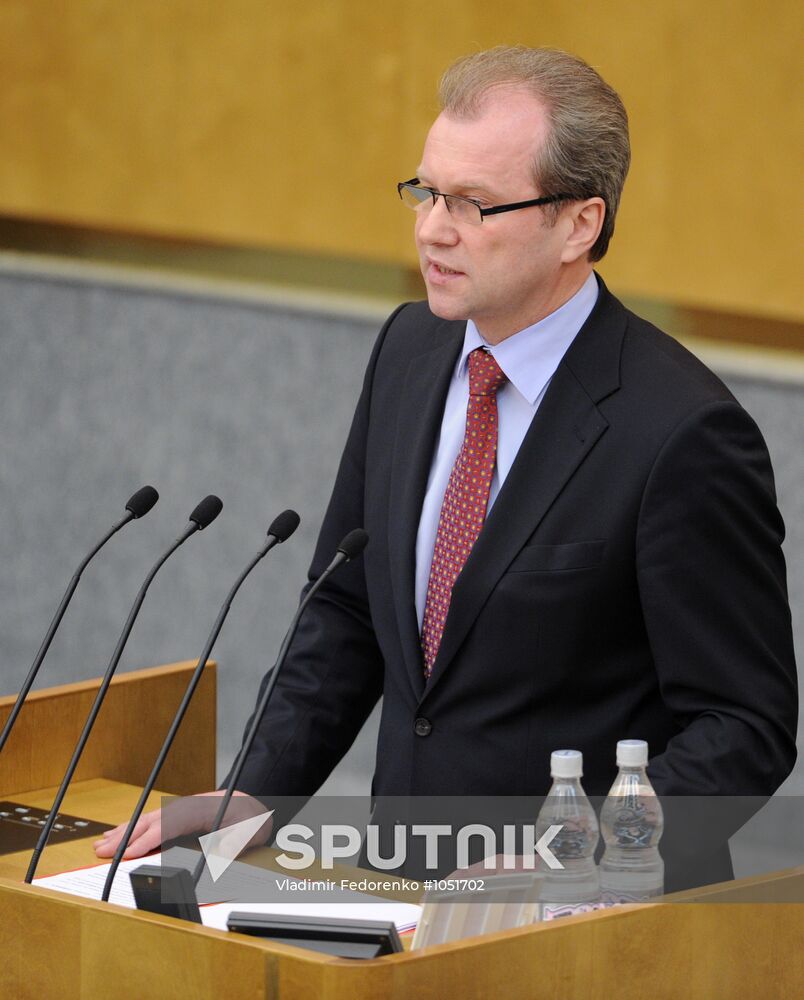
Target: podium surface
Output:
[(731, 942)]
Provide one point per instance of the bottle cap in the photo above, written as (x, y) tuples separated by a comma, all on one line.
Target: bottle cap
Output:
[(566, 764), (632, 753)]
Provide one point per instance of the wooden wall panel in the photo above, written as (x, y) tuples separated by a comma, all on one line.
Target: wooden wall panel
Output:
[(286, 126)]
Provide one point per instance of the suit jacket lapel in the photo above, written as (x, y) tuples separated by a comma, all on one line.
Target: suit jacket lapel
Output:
[(419, 422), (564, 430)]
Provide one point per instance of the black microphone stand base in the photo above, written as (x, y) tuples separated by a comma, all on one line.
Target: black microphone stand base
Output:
[(339, 936), (165, 890)]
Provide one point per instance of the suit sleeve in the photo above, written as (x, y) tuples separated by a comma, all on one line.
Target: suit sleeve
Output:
[(333, 675), (712, 583)]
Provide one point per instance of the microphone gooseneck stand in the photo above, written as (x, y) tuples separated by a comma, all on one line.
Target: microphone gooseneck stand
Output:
[(351, 546), (204, 514), (138, 506), (170, 890), (281, 529)]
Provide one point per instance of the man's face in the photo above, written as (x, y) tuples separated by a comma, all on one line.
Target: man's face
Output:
[(506, 273)]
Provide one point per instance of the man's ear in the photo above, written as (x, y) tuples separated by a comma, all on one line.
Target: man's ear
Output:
[(586, 218)]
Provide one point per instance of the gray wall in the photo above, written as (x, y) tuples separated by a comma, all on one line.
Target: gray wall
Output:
[(104, 388), (106, 385)]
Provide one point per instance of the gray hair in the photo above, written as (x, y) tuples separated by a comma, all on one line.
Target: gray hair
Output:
[(586, 152)]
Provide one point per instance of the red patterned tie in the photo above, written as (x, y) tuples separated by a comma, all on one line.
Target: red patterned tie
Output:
[(463, 509)]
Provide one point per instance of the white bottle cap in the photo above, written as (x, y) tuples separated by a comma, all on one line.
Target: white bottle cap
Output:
[(632, 753), (566, 764)]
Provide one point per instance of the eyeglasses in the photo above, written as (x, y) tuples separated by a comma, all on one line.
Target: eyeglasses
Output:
[(422, 199)]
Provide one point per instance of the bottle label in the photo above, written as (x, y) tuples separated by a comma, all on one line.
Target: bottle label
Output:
[(635, 823), (613, 897), (552, 911)]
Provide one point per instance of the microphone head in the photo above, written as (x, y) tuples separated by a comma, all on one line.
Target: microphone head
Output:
[(284, 524), (206, 512), (142, 501), (354, 543)]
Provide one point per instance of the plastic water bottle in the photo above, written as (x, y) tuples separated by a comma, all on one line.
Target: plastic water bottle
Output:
[(631, 822), (575, 887)]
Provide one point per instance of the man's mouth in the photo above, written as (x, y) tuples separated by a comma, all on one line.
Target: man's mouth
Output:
[(437, 269)]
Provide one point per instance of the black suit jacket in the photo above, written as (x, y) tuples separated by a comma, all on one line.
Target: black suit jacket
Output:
[(628, 583)]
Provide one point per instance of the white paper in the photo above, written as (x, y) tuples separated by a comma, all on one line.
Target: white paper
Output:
[(89, 882)]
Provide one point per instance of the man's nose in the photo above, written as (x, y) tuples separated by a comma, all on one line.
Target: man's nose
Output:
[(437, 225)]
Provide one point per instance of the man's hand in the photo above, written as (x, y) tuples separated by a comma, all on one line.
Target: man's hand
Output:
[(191, 814)]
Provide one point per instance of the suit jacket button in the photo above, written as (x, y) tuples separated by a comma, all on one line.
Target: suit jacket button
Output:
[(422, 727)]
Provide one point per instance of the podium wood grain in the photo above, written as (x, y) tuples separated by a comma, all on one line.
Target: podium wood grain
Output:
[(730, 944), (73, 948), (732, 947), (127, 736)]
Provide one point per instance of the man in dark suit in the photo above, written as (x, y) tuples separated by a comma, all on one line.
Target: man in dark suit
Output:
[(573, 530)]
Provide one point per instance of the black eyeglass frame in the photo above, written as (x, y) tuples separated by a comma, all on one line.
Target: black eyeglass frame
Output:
[(494, 210)]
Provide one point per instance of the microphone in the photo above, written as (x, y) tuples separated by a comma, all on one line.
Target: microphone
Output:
[(203, 515), (281, 529), (351, 547), (142, 501), (137, 507)]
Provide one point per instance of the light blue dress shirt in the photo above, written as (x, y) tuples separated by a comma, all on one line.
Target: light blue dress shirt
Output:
[(529, 359)]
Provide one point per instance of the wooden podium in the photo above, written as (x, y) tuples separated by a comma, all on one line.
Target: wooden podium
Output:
[(746, 939)]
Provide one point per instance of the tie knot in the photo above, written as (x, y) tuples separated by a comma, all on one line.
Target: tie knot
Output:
[(485, 375)]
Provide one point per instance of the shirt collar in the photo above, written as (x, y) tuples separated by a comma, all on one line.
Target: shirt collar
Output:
[(530, 357)]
